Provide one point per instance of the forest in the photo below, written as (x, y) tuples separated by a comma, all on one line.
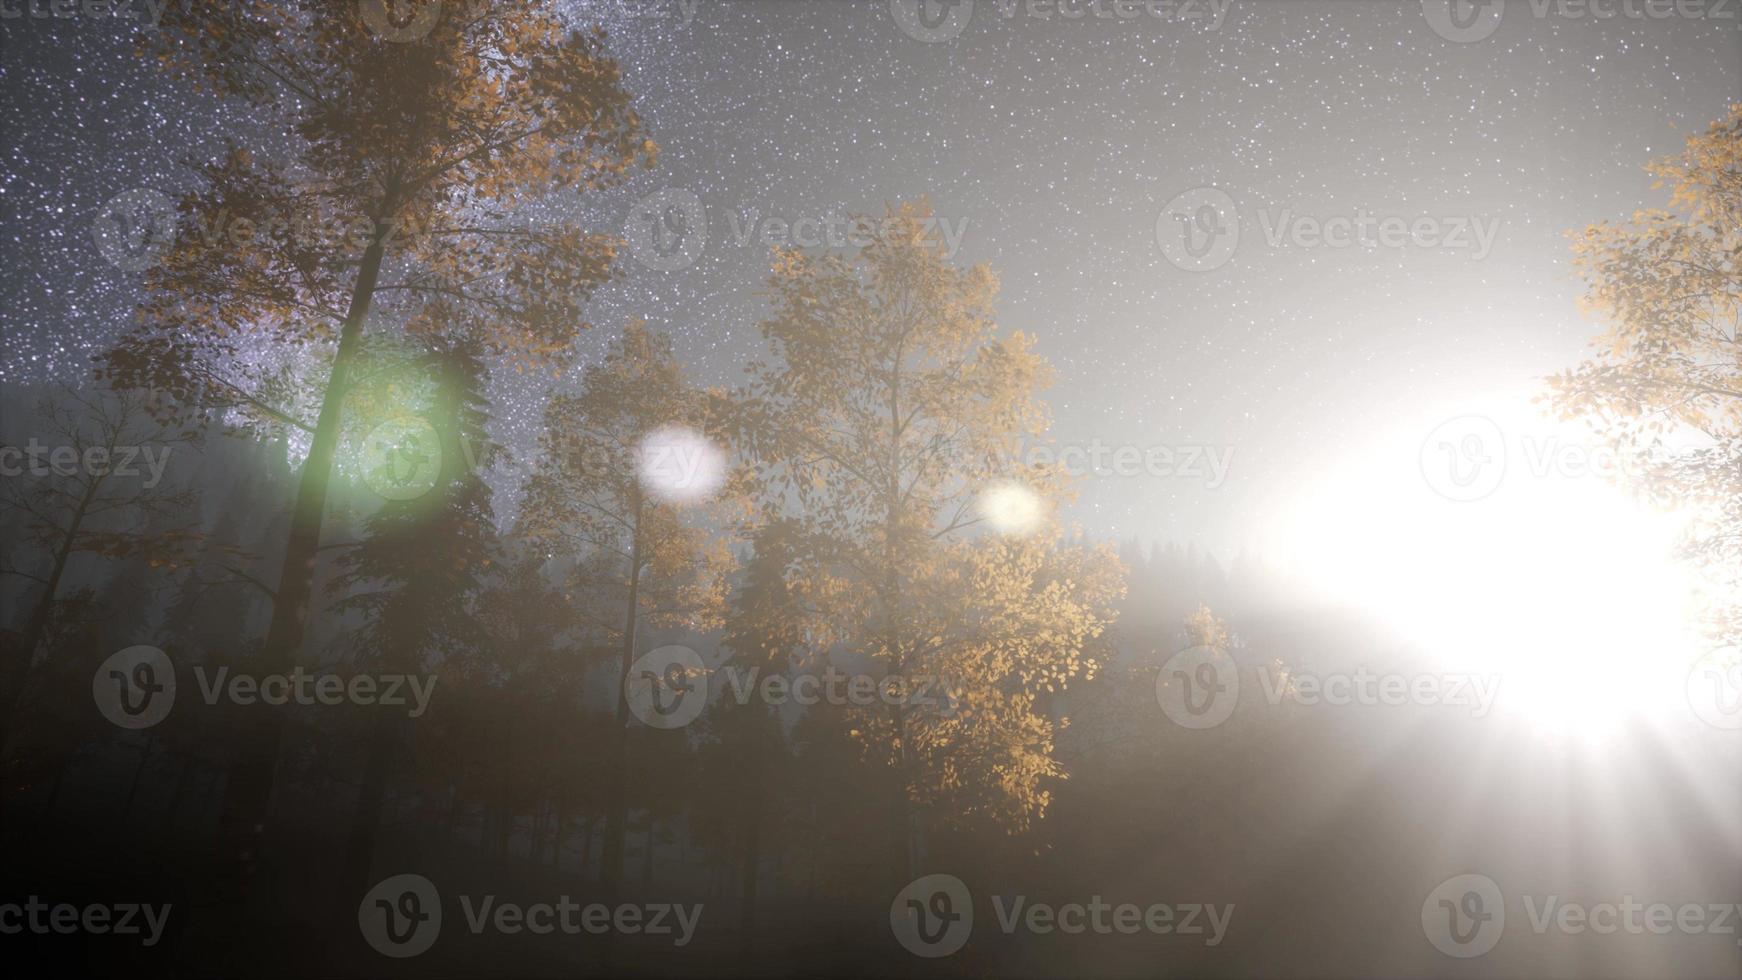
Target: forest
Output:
[(318, 659)]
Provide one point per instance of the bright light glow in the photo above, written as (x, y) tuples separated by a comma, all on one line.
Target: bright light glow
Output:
[(1554, 579), (679, 465), (1010, 508)]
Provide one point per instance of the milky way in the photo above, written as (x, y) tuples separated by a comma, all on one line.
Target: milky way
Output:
[(1052, 144)]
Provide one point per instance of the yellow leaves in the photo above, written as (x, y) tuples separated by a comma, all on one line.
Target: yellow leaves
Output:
[(1668, 288)]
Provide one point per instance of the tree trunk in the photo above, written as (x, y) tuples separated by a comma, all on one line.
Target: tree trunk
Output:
[(249, 790), (366, 818), (17, 672), (586, 844), (747, 897), (54, 790), (752, 828), (901, 818), (647, 854), (138, 773), (611, 872), (535, 836), (446, 823), (810, 888), (556, 837), (181, 782)]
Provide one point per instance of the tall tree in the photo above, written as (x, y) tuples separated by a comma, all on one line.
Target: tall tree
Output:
[(1664, 382), (395, 203), (93, 488), (414, 577), (886, 426), (764, 629), (621, 458)]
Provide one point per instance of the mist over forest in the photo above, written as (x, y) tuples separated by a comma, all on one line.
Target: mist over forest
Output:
[(918, 488)]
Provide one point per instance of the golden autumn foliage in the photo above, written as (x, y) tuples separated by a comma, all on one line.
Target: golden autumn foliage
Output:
[(586, 507), (394, 194), (1663, 383), (630, 555), (401, 195), (888, 404)]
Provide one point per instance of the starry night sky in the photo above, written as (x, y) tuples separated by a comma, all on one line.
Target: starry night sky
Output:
[(1059, 142)]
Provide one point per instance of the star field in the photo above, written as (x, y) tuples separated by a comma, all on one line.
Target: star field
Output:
[(1059, 143)]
